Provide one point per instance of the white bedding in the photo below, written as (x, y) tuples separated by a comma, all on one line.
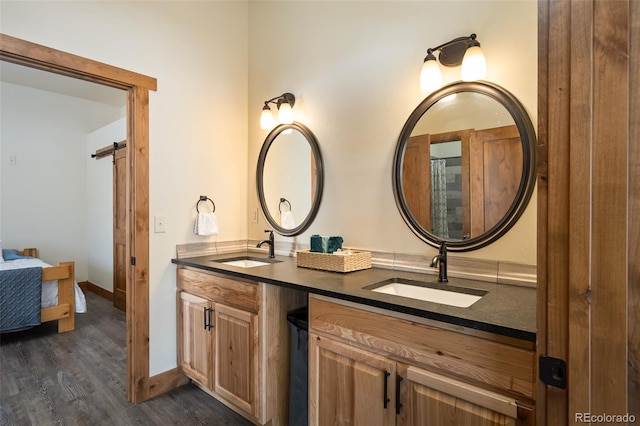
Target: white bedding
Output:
[(49, 288)]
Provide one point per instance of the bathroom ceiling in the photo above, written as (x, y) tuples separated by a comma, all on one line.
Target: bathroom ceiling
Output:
[(63, 85)]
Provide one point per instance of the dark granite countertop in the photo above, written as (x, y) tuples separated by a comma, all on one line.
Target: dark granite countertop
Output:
[(506, 309)]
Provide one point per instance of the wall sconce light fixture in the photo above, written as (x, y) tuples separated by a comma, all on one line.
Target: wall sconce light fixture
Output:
[(462, 50), (283, 103)]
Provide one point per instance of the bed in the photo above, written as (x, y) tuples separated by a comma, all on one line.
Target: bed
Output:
[(60, 297)]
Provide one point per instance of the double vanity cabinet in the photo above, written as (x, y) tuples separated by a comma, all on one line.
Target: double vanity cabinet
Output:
[(371, 362)]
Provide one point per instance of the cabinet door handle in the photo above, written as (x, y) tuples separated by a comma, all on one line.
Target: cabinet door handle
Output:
[(398, 403), (386, 389), (205, 318)]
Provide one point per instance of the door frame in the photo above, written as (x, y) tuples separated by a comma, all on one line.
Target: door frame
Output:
[(137, 186)]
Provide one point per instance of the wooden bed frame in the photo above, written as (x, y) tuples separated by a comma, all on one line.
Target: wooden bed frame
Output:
[(65, 310)]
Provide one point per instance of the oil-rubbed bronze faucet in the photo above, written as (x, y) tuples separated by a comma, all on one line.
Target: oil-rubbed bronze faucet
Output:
[(270, 241), (441, 262)]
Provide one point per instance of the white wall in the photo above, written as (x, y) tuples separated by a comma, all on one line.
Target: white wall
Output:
[(43, 193), (198, 117), (354, 68)]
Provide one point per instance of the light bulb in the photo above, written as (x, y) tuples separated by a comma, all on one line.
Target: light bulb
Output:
[(474, 65), (285, 114), (267, 121), (430, 75)]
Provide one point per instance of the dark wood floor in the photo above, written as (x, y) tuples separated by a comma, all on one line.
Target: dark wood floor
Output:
[(78, 378)]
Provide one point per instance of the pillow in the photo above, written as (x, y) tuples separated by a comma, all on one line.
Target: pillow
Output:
[(10, 254)]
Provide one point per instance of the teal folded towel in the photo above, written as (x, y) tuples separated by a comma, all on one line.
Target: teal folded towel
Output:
[(319, 244), (334, 244)]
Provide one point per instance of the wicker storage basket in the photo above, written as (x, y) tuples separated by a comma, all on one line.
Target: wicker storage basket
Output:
[(354, 261)]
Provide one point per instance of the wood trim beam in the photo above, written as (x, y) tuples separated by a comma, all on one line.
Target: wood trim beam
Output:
[(554, 44), (633, 255), (138, 244), (45, 58), (610, 146), (580, 141), (89, 286), (164, 382)]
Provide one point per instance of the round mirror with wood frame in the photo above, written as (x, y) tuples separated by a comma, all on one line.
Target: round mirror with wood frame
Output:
[(464, 165), (290, 178)]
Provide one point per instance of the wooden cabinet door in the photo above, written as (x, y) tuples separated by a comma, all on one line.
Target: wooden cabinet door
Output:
[(195, 350), (236, 357), (429, 399), (349, 386)]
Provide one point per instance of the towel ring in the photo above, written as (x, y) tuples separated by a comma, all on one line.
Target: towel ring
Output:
[(283, 200), (205, 198)]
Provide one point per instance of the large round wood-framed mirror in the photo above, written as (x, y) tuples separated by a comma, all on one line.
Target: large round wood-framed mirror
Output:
[(464, 165), (290, 178)]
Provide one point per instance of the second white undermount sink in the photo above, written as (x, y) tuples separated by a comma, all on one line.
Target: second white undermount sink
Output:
[(436, 293)]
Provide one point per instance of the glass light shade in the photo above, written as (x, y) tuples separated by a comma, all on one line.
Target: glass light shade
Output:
[(285, 114), (449, 98), (267, 121), (430, 76), (474, 65)]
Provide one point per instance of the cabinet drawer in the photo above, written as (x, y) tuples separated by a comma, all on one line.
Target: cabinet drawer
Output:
[(231, 292), (491, 364)]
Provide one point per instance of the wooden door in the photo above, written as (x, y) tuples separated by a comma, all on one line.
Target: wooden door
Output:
[(349, 386), (496, 172), (236, 357), (429, 399), (589, 207), (195, 349), (416, 179), (120, 228)]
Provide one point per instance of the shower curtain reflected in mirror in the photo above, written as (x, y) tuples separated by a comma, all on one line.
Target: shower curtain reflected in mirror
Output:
[(439, 220)]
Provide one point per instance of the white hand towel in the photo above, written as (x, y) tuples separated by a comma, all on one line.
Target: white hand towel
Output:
[(206, 224), (287, 221)]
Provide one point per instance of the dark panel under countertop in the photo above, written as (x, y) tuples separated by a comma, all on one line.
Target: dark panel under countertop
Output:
[(506, 309)]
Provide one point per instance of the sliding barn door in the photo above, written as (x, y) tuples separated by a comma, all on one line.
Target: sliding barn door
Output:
[(589, 210), (119, 229)]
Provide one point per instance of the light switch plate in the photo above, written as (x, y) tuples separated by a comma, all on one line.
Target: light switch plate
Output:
[(160, 223)]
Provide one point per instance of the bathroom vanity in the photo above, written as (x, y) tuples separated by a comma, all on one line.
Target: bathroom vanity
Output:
[(374, 358), (233, 340)]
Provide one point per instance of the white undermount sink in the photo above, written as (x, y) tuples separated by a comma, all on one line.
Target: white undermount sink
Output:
[(436, 293), (246, 261)]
